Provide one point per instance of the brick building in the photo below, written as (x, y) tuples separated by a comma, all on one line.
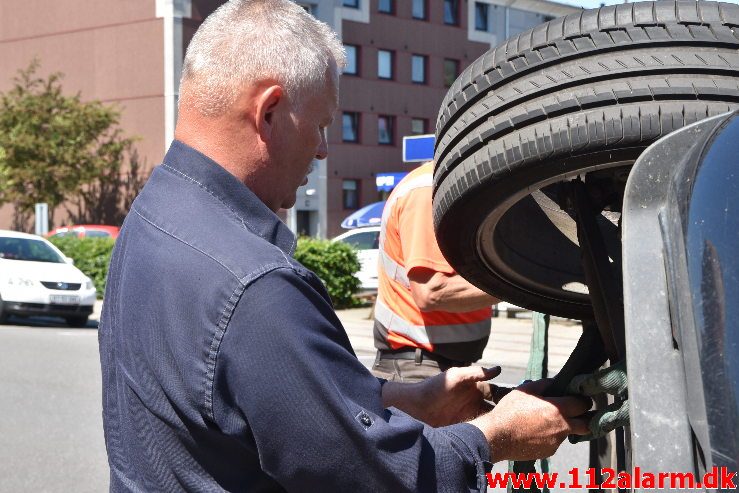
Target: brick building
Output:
[(403, 55)]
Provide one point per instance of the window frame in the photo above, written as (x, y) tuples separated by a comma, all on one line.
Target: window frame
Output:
[(357, 4), (357, 118), (357, 190), (456, 13), (424, 123), (425, 10), (386, 12), (392, 64), (391, 129), (486, 6), (425, 60), (309, 7), (357, 59), (457, 66)]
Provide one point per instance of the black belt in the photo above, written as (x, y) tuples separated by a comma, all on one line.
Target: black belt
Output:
[(418, 355)]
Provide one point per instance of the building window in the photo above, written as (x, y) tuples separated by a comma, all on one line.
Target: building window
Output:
[(350, 194), (418, 126), (418, 69), (352, 60), (309, 7), (385, 132), (518, 21), (386, 6), (384, 64), (350, 127), (351, 3), (451, 12), (482, 18), (451, 71), (419, 9)]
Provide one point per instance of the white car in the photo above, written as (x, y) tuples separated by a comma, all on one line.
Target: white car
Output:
[(367, 243), (37, 279)]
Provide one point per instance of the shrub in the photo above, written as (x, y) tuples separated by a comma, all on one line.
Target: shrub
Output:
[(335, 263), (90, 255)]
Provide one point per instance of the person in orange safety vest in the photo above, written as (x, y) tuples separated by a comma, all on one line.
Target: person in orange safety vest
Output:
[(427, 317)]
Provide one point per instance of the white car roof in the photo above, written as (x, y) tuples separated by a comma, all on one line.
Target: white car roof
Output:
[(17, 234)]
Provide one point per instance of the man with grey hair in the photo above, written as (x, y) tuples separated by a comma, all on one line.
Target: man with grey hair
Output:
[(224, 365)]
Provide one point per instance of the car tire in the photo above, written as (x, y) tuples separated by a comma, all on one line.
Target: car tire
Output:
[(77, 321), (582, 93), (3, 315)]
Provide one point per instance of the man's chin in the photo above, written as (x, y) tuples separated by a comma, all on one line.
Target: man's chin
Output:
[(290, 202)]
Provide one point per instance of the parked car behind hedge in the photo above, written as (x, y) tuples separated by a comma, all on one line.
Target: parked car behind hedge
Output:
[(86, 231), (38, 279)]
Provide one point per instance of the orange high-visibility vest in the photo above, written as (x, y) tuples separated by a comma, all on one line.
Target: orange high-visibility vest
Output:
[(407, 242)]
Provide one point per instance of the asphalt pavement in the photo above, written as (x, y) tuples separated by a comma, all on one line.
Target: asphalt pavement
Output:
[(51, 437)]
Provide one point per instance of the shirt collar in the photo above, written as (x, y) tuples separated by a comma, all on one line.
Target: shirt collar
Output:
[(234, 194)]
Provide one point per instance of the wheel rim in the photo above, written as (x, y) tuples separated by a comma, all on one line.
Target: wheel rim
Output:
[(529, 245)]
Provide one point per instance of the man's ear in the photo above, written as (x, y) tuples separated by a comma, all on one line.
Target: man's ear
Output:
[(267, 102)]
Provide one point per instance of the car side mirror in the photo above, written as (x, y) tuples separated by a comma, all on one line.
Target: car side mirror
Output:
[(69, 260)]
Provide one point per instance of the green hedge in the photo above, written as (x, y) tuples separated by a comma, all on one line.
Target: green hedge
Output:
[(90, 255), (335, 263)]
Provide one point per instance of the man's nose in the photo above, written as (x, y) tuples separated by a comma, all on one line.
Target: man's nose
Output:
[(322, 151)]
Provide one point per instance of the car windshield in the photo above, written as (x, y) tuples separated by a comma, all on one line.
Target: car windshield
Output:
[(366, 240), (94, 233), (27, 249)]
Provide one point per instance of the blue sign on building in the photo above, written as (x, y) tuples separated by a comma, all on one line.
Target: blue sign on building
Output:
[(417, 148), (386, 181)]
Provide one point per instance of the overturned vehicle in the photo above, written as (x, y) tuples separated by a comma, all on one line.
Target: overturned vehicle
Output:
[(589, 168)]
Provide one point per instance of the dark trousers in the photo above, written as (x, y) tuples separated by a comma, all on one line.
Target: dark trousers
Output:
[(410, 365)]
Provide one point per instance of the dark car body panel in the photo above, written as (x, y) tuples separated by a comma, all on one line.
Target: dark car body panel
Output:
[(681, 276)]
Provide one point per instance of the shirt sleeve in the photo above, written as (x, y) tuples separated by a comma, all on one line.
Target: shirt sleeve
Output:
[(416, 230), (314, 413)]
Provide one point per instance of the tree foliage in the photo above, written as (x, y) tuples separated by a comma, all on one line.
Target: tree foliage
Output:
[(56, 148)]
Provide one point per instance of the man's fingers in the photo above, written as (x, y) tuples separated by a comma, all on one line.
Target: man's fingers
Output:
[(578, 426), (571, 406), (536, 387), (477, 373), (486, 389)]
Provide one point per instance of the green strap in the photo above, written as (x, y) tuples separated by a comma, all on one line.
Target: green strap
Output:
[(535, 370), (537, 366)]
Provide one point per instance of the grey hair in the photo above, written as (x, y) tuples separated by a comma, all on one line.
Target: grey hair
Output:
[(248, 41)]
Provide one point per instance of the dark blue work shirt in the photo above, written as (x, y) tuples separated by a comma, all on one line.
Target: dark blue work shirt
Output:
[(226, 368)]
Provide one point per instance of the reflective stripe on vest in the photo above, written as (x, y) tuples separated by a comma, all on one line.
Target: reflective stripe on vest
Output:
[(394, 270), (433, 334)]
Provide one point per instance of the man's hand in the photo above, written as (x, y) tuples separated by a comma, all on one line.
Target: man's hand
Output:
[(453, 396), (525, 426)]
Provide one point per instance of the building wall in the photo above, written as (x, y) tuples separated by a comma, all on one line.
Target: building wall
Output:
[(370, 96), (129, 53), (108, 50), (399, 97)]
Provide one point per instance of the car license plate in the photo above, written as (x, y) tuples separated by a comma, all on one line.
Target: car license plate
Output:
[(64, 299)]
